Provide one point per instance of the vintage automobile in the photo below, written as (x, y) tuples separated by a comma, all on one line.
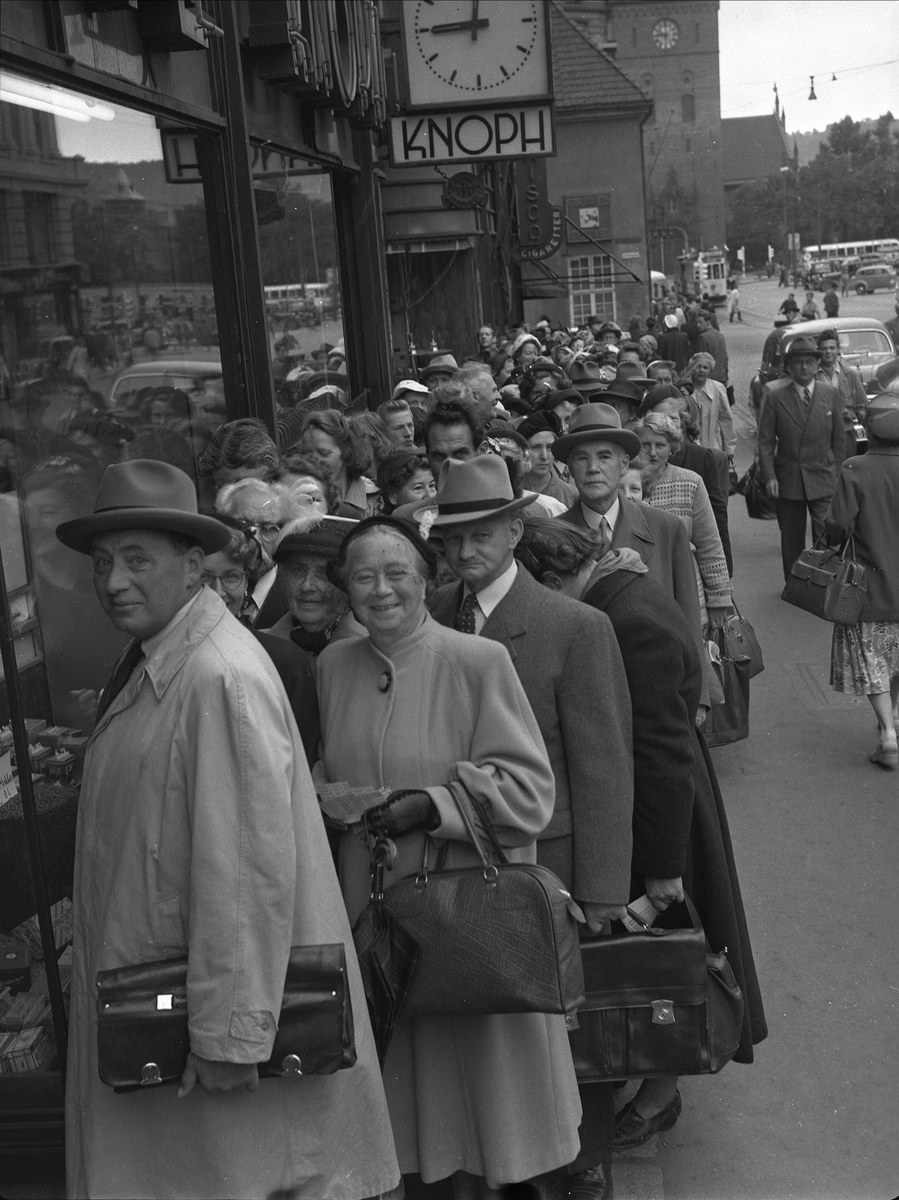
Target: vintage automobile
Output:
[(201, 381), (864, 343)]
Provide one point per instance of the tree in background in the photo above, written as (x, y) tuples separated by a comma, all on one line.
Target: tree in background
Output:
[(849, 191)]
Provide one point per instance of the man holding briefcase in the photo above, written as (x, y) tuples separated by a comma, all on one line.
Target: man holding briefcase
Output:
[(199, 835)]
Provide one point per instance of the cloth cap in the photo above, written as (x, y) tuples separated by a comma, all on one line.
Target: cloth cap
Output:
[(145, 494), (670, 321), (882, 416), (595, 423)]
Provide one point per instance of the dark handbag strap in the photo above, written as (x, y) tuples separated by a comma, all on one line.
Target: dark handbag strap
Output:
[(463, 799)]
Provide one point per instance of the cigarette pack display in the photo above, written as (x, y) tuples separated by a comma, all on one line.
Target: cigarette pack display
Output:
[(15, 963), (61, 916), (26, 1012), (61, 765), (26, 1052), (65, 968), (54, 735), (6, 999), (6, 738), (76, 746), (6, 1040)]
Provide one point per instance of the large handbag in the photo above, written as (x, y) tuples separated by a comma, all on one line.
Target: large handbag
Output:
[(142, 1034), (497, 938), (828, 583), (759, 504), (740, 641), (728, 722), (659, 1002)]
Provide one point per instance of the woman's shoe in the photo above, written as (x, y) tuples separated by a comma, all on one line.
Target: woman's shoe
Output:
[(886, 756), (633, 1130)]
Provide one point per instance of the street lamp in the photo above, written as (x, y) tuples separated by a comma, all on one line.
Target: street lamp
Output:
[(787, 235)]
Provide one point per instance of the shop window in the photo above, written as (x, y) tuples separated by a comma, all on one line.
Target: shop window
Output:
[(688, 109), (110, 352), (298, 253), (591, 288), (40, 227)]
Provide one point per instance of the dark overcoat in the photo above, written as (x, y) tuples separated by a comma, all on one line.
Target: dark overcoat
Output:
[(801, 450), (661, 540), (866, 505), (680, 826), (573, 676)]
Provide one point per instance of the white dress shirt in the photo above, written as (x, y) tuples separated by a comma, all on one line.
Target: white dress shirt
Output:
[(491, 595)]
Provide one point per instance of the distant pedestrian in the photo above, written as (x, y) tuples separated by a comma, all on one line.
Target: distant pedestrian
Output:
[(844, 282), (809, 310), (710, 341), (831, 302), (865, 657), (733, 303)]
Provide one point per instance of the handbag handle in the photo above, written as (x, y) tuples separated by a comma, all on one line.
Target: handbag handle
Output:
[(472, 831)]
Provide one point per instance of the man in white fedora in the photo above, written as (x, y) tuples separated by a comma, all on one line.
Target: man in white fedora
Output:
[(199, 835), (567, 658)]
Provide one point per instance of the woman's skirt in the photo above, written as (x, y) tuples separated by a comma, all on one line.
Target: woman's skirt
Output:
[(865, 657)]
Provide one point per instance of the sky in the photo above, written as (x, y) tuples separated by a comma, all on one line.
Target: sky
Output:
[(763, 42)]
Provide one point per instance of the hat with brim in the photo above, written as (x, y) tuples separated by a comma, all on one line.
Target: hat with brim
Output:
[(802, 345), (444, 364), (145, 494), (622, 375), (624, 389), (595, 423), (475, 490), (658, 395), (319, 379), (586, 376), (317, 535), (409, 385)]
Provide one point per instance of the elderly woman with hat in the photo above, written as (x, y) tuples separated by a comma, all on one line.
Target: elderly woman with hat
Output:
[(540, 430), (865, 657), (682, 492), (486, 1100), (318, 610)]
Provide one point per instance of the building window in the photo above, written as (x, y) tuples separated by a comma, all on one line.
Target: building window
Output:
[(687, 109), (688, 145), (40, 226), (591, 288), (696, 33)]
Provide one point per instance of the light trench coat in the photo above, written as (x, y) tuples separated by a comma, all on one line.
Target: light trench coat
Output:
[(495, 1096), (199, 834)]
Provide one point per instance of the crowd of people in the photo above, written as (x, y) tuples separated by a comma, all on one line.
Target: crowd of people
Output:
[(501, 585)]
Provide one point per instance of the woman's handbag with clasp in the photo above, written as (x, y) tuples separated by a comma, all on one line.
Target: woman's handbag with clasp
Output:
[(828, 583), (500, 937)]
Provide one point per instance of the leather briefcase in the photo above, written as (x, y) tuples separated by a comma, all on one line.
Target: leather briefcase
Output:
[(498, 938), (828, 584), (142, 1034), (658, 1003)]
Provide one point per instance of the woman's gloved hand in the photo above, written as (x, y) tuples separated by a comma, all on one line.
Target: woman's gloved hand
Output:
[(402, 812)]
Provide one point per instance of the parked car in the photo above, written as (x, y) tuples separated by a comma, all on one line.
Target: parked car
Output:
[(202, 381), (872, 276), (864, 343)]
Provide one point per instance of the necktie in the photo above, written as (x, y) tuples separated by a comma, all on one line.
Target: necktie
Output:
[(464, 618), (806, 398), (606, 530), (121, 673)]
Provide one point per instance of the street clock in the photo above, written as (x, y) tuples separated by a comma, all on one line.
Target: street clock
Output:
[(665, 34), (481, 52)]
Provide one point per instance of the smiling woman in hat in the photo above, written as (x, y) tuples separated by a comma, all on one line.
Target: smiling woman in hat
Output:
[(431, 712)]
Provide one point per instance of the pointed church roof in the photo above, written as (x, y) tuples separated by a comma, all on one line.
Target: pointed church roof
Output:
[(754, 148), (583, 76), (124, 189)]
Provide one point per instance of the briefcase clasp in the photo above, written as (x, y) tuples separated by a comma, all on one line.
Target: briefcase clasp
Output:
[(149, 1074), (663, 1012)]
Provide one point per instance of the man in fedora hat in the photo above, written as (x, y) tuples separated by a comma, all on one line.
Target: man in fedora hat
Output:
[(598, 452), (801, 446), (440, 369), (199, 836), (586, 377), (570, 667)]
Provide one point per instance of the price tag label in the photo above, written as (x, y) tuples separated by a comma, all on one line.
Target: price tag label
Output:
[(8, 788)]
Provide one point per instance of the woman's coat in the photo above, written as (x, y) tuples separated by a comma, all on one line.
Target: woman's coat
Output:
[(495, 1096)]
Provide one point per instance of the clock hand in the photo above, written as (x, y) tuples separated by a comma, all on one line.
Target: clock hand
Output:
[(474, 20), (455, 26)]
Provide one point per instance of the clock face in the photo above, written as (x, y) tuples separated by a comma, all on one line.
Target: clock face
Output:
[(665, 34), (462, 51)]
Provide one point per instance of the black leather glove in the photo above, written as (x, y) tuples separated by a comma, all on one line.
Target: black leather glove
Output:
[(402, 812)]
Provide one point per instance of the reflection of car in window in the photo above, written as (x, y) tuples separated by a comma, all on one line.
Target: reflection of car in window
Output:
[(197, 379)]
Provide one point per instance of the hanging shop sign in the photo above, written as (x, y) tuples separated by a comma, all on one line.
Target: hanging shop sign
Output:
[(419, 139), (539, 222)]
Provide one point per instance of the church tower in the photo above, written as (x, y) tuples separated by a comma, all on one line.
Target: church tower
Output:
[(670, 50)]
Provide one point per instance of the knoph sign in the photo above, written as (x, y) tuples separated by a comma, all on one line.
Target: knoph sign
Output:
[(419, 139)]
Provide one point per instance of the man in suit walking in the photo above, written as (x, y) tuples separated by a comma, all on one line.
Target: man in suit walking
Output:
[(801, 446), (598, 452), (571, 669)]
